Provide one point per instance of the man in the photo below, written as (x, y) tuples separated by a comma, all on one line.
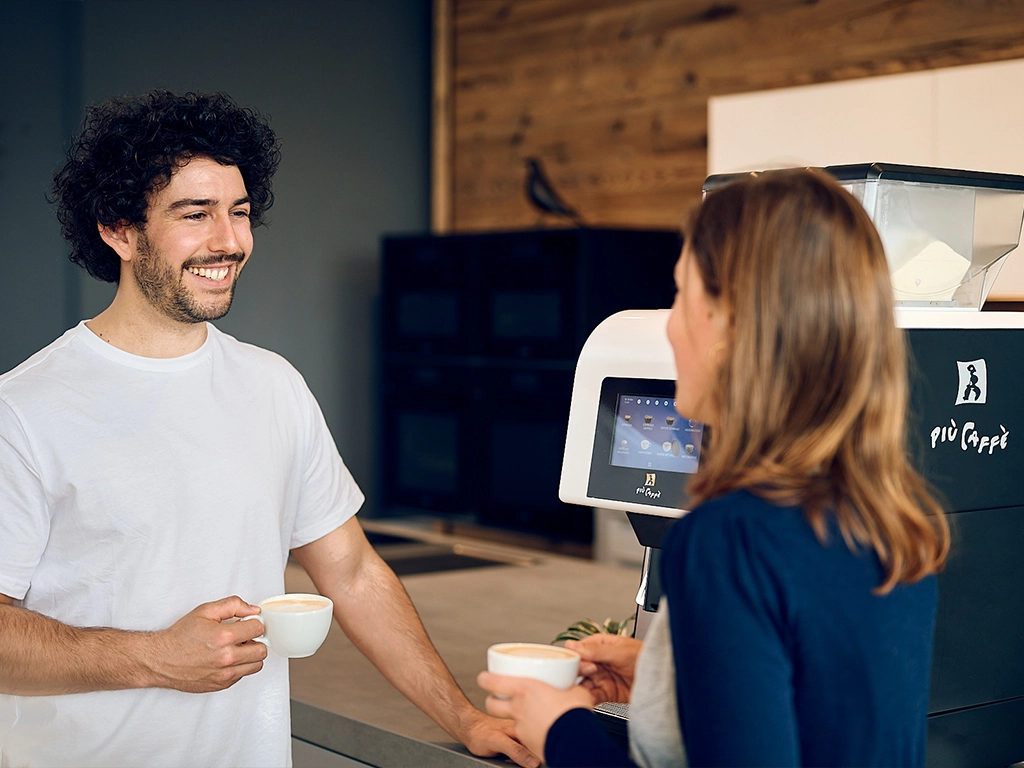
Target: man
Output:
[(155, 471)]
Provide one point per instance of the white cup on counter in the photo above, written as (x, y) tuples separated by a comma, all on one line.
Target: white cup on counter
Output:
[(295, 625)]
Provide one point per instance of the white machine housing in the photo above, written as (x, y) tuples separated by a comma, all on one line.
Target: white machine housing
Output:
[(629, 344)]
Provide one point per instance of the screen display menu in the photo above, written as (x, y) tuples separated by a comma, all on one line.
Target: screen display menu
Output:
[(649, 434)]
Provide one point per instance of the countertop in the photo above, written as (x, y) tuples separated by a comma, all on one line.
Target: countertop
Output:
[(341, 701)]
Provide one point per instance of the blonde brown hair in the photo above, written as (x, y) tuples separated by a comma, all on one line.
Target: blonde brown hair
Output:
[(812, 387)]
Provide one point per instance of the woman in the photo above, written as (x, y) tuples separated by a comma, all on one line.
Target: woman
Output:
[(800, 592)]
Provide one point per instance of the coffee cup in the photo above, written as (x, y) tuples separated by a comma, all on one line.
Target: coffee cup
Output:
[(551, 664), (294, 625)]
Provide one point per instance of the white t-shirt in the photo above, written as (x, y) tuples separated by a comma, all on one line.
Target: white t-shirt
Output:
[(133, 489)]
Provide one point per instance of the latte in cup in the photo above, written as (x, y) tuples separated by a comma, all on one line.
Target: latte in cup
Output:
[(550, 663), (295, 625), (292, 604), (537, 651)]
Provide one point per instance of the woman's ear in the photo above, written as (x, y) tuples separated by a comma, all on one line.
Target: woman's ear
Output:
[(722, 317), (117, 238)]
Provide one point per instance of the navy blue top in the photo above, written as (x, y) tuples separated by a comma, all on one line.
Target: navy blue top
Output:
[(783, 654)]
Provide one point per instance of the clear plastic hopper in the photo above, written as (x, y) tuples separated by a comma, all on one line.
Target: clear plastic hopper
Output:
[(946, 232)]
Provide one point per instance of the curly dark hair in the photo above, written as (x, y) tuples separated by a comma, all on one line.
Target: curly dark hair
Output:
[(127, 150)]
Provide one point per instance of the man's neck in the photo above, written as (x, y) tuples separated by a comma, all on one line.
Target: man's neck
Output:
[(146, 332)]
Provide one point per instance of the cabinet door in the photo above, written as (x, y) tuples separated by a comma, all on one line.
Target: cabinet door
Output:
[(521, 440), (427, 430), (528, 294), (427, 297)]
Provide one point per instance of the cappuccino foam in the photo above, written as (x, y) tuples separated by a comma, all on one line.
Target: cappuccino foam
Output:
[(294, 605), (537, 651)]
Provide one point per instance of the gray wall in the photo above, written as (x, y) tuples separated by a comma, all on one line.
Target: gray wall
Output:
[(36, 282), (346, 84)]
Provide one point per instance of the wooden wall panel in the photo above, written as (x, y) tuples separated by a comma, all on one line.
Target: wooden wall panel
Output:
[(612, 94), (442, 141)]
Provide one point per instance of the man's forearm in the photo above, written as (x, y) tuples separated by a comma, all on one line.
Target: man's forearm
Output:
[(378, 616), (374, 610), (40, 656), (199, 653)]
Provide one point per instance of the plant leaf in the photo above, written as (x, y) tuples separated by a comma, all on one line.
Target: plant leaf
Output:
[(584, 627)]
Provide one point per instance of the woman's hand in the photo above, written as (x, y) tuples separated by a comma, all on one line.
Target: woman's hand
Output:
[(607, 665), (532, 705)]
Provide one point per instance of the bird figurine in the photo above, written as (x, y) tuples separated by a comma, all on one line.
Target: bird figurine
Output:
[(542, 194)]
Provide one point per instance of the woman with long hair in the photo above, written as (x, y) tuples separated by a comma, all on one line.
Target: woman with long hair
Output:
[(800, 591)]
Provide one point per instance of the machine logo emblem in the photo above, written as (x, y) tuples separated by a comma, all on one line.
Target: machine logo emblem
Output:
[(973, 381), (647, 490)]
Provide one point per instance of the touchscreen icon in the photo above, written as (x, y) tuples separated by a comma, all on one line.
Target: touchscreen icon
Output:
[(670, 420), (627, 417), (689, 449), (666, 446), (648, 419), (645, 444)]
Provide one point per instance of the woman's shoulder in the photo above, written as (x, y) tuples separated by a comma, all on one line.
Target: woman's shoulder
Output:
[(737, 504), (738, 508), (739, 519)]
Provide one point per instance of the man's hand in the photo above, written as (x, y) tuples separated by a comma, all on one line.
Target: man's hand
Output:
[(608, 663), (532, 706), (489, 736), (199, 653)]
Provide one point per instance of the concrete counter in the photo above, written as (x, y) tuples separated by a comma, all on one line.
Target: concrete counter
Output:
[(325, 739), (341, 702)]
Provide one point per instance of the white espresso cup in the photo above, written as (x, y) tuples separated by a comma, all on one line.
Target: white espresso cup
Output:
[(294, 625), (552, 664)]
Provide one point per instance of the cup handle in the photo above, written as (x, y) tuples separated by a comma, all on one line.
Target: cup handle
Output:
[(261, 638)]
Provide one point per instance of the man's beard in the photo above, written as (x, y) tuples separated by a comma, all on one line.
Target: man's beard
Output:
[(164, 288)]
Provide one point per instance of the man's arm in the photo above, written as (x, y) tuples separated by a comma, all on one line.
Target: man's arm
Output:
[(41, 656), (374, 610)]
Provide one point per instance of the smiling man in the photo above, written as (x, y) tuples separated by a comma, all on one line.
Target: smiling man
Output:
[(156, 473), (182, 265)]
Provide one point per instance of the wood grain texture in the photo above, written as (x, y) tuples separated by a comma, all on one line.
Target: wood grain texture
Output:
[(612, 95), (442, 135)]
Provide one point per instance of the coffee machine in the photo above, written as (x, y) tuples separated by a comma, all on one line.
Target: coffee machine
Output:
[(946, 234)]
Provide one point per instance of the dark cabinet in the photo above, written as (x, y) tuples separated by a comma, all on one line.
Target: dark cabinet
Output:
[(479, 339)]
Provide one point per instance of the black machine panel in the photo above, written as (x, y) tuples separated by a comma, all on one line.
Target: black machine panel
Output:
[(967, 414), (966, 422), (978, 668), (642, 447)]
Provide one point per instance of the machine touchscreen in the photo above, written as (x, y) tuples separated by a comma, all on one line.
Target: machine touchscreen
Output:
[(649, 434)]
